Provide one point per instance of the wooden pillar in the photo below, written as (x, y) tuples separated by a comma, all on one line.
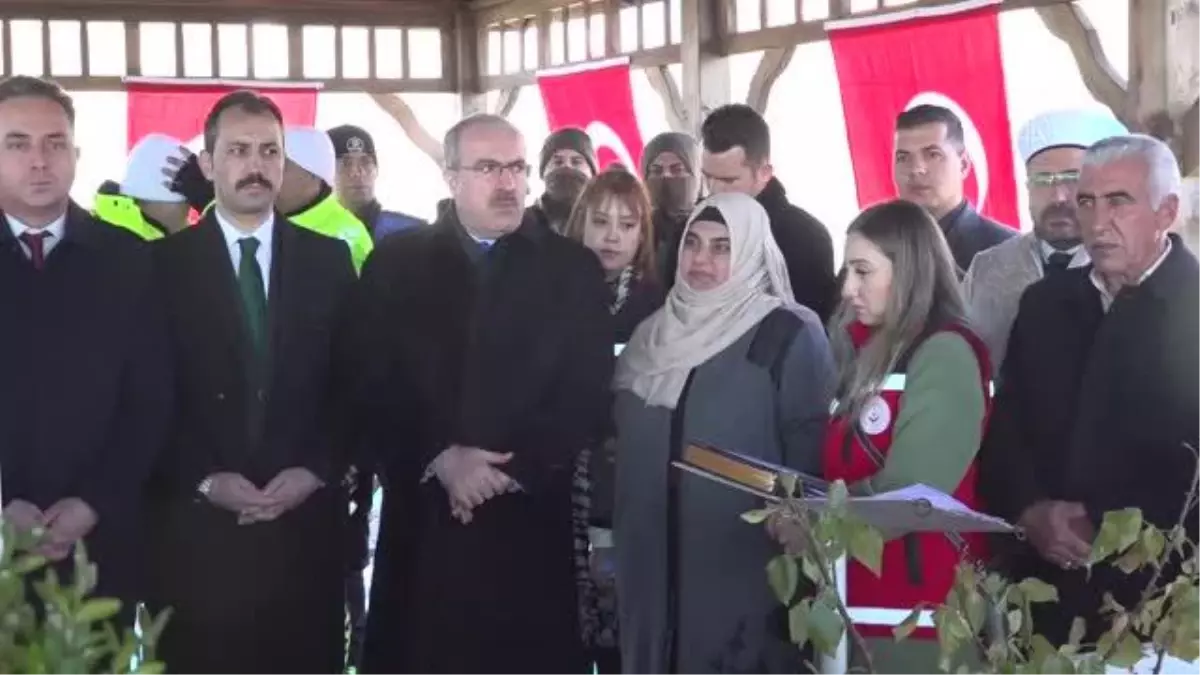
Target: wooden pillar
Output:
[(1163, 68), (467, 58), (705, 70)]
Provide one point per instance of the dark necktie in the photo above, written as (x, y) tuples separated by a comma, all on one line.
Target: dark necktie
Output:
[(1057, 262), (36, 243), (254, 298)]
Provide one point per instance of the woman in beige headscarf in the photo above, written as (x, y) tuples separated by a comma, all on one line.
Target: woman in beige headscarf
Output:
[(728, 362)]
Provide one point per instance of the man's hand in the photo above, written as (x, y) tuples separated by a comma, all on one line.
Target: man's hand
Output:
[(24, 515), (470, 477), (233, 492), (67, 521), (286, 491), (182, 175), (1060, 531)]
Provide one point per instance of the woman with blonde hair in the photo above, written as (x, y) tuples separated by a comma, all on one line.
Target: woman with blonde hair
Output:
[(912, 402), (612, 217), (732, 363)]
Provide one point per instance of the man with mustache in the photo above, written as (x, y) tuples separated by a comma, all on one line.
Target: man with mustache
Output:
[(1098, 409), (305, 196), (357, 171), (931, 166), (669, 164), (249, 508), (485, 348), (1052, 146), (567, 163)]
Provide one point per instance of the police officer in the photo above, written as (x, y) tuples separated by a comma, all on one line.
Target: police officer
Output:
[(141, 202), (307, 198), (357, 171)]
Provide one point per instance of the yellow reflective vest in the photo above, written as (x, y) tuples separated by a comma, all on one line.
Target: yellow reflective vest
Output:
[(330, 218), (124, 212)]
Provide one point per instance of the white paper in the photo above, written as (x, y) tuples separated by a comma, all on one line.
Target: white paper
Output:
[(919, 508)]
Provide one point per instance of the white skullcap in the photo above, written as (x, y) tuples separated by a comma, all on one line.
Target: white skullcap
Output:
[(1074, 128), (144, 172), (312, 151)]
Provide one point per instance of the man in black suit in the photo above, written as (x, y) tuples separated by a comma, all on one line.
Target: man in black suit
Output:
[(931, 167), (249, 506), (1099, 400), (736, 157), (490, 351), (86, 386)]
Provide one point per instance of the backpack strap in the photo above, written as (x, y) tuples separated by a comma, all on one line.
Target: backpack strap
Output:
[(769, 348)]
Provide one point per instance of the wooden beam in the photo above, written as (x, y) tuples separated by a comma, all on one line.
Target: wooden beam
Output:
[(1164, 69), (770, 67), (399, 110), (705, 24), (660, 56), (663, 83), (1069, 23), (506, 101)]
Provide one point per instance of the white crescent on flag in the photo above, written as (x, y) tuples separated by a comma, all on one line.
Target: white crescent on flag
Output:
[(603, 135), (971, 138)]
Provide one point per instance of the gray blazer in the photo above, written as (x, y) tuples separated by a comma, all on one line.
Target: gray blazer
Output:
[(994, 283)]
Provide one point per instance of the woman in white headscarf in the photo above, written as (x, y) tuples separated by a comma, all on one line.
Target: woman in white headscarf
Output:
[(730, 363)]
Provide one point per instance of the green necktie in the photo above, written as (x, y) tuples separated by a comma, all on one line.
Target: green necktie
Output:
[(254, 298)]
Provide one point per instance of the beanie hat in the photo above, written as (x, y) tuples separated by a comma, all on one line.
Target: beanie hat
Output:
[(1067, 128), (144, 177), (568, 138), (674, 142), (312, 151), (349, 139)]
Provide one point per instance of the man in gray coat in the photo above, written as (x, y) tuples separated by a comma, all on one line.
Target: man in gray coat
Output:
[(1052, 146)]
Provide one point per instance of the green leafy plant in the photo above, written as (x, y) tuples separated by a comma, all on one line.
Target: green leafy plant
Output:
[(64, 629), (986, 622)]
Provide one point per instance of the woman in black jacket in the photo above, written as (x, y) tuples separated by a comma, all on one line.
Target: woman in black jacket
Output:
[(612, 217)]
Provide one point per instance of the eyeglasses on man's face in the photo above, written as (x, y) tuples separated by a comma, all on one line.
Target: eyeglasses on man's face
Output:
[(490, 169), (1050, 179)]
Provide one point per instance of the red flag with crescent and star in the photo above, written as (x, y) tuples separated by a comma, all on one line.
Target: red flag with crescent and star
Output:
[(948, 55), (598, 98), (178, 107)]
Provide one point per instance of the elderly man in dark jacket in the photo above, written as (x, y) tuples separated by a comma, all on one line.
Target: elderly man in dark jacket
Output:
[(737, 158), (1099, 399), (482, 410)]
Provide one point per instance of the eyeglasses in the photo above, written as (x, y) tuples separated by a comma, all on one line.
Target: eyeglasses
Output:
[(1048, 179), (519, 168)]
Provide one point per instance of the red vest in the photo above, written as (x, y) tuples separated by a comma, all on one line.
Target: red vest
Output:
[(878, 603)]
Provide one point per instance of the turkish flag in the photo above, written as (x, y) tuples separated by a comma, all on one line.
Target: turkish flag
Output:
[(178, 108), (597, 98), (947, 56)]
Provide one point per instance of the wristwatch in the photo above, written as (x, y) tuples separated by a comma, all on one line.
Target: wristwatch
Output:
[(205, 487)]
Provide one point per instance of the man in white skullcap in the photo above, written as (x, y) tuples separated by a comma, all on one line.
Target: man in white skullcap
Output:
[(306, 196), (141, 202), (1052, 146)]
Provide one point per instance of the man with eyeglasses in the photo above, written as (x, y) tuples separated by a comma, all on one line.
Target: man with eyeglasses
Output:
[(1052, 146), (485, 361)]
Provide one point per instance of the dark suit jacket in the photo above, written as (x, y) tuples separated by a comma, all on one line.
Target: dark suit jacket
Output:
[(284, 575), (510, 351), (85, 395), (1096, 407), (968, 232), (807, 249)]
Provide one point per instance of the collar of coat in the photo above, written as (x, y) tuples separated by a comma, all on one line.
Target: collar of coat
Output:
[(79, 227), (529, 229)]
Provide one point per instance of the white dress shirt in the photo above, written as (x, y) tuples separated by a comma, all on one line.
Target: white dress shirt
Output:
[(264, 233), (56, 230), (1106, 298)]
